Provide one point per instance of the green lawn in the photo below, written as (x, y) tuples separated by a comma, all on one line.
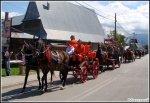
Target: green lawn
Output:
[(14, 71)]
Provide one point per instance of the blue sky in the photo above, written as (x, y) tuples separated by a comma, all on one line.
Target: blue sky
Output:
[(19, 7), (132, 16)]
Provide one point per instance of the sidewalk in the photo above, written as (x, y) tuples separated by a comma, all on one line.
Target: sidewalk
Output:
[(9, 81)]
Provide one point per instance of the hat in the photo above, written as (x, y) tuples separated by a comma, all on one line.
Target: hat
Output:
[(89, 42), (71, 36)]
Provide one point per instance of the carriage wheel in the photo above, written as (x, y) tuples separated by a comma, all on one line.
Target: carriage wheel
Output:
[(83, 74), (95, 69)]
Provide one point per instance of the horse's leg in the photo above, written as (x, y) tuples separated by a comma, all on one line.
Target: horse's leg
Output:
[(46, 80), (38, 77), (64, 73), (43, 78), (26, 77), (52, 73)]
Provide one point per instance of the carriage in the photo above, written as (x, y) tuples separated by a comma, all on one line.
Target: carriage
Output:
[(129, 54), (110, 58), (83, 68)]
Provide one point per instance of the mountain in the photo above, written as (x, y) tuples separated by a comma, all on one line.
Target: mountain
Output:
[(142, 39)]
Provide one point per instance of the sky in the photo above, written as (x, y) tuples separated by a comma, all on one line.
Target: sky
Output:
[(132, 16)]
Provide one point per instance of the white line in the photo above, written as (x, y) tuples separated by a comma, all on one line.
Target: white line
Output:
[(91, 89), (95, 90)]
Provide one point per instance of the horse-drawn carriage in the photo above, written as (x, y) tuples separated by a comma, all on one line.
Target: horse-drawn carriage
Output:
[(83, 68), (107, 54), (129, 54)]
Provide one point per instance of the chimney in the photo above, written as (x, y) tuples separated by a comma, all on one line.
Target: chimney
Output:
[(6, 16), (48, 6)]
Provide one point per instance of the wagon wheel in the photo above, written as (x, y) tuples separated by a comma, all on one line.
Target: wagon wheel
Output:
[(95, 69), (83, 74)]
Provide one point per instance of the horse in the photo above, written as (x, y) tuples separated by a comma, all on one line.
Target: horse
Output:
[(32, 63), (58, 59), (28, 50), (137, 53), (128, 54), (102, 56)]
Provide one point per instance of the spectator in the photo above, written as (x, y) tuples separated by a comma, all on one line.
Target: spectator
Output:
[(6, 60)]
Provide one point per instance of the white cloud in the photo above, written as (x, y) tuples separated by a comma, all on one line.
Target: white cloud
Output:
[(11, 14), (132, 20)]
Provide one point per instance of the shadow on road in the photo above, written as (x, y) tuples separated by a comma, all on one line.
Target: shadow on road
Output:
[(32, 90)]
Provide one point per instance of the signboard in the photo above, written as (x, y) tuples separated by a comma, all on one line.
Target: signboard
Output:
[(7, 26)]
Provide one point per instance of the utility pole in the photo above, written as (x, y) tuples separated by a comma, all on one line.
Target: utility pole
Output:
[(115, 27)]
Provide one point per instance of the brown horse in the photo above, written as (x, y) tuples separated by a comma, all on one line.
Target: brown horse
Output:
[(129, 55), (32, 63), (102, 56), (58, 59)]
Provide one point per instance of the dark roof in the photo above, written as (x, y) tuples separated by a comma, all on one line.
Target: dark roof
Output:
[(64, 19), (17, 20)]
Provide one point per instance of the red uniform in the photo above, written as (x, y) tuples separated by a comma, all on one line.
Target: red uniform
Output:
[(88, 52), (74, 43), (80, 50)]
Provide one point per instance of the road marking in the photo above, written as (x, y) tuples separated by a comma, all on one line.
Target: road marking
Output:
[(95, 90), (91, 89)]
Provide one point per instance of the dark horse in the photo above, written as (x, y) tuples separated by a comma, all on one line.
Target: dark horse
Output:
[(129, 55), (102, 56), (30, 63), (58, 60)]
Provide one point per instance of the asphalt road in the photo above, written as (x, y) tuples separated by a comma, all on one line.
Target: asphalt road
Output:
[(127, 83)]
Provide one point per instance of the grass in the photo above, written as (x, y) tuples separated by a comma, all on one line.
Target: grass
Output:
[(14, 71)]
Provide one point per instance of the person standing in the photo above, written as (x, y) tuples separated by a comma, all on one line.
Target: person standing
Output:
[(6, 60)]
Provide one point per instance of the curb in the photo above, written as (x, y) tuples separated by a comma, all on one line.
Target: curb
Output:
[(20, 83)]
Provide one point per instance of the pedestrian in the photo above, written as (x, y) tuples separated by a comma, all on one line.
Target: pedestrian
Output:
[(6, 60)]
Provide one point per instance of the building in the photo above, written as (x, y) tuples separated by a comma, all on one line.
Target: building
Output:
[(56, 21), (59, 20)]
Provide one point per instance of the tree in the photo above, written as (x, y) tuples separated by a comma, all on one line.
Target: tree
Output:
[(146, 47), (119, 37)]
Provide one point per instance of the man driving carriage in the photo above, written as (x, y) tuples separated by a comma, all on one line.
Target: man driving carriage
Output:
[(91, 55), (110, 51)]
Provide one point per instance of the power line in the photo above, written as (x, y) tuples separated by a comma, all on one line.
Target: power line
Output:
[(61, 22), (96, 9), (94, 12), (131, 12), (123, 28)]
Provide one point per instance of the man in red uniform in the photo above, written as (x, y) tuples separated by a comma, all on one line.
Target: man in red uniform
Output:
[(79, 51), (73, 41), (88, 53)]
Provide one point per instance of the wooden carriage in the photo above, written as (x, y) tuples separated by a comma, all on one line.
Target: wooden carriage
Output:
[(81, 69), (111, 60)]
